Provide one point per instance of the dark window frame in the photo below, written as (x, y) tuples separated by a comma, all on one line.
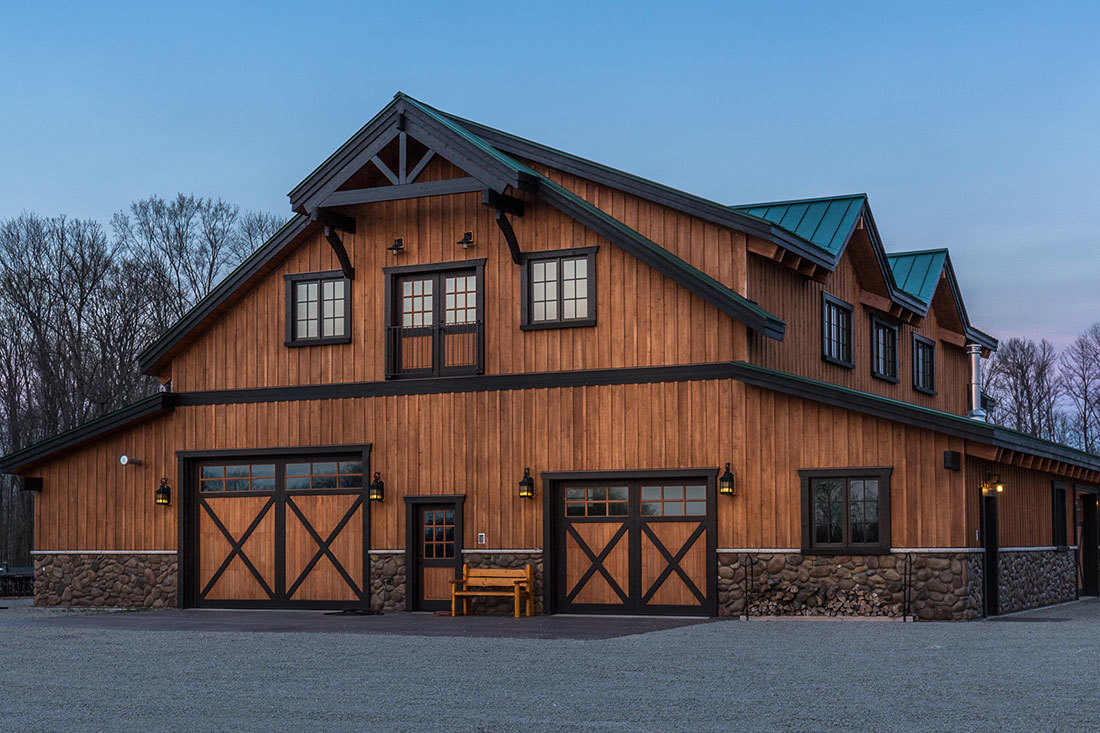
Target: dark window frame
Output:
[(831, 300), (917, 342), (878, 322), (1060, 510), (527, 259), (882, 474), (392, 275), (292, 281)]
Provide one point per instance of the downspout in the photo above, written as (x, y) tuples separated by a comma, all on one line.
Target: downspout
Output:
[(975, 385)]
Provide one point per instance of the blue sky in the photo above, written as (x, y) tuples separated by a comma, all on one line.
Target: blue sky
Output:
[(971, 126)]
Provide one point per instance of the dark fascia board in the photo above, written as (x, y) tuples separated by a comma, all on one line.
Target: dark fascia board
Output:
[(661, 259), (897, 295), (150, 358), (21, 460), (921, 417), (649, 190), (971, 333)]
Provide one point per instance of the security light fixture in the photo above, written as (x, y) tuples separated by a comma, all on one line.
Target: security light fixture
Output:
[(726, 484), (163, 494), (993, 484), (397, 247), (467, 240), (377, 489), (526, 485)]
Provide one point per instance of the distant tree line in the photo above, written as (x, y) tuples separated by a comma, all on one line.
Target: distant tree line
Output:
[(1049, 393), (79, 301)]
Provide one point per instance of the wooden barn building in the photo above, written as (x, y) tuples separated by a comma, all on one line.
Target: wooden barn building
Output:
[(722, 410)]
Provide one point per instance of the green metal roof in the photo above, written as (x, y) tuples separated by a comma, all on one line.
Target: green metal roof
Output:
[(824, 222), (918, 273)]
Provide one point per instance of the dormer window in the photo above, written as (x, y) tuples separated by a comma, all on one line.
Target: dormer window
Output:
[(884, 349), (317, 308), (924, 365), (559, 289), (836, 331)]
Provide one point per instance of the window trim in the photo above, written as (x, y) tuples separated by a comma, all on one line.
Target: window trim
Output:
[(1060, 535), (392, 274), (826, 301), (525, 322), (877, 321), (292, 340), (883, 474), (918, 339)]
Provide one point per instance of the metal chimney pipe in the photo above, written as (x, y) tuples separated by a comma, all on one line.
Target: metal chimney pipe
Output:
[(976, 411)]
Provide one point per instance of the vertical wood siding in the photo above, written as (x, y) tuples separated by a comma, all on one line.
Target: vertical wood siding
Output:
[(1024, 510), (478, 444), (797, 300), (643, 318)]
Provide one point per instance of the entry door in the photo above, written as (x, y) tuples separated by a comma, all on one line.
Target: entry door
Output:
[(435, 552), (636, 546), (279, 532), (1087, 545), (992, 560)]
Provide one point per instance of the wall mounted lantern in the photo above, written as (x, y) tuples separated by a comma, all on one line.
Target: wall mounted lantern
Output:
[(993, 484), (125, 460), (726, 484), (526, 485), (377, 489), (163, 496), (397, 247), (467, 240)]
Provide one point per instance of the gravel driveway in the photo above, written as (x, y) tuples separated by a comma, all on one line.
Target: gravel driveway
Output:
[(1032, 671)]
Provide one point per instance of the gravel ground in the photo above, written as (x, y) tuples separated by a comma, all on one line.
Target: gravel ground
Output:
[(1035, 671)]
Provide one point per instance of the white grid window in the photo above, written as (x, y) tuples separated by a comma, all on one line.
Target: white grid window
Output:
[(460, 299), (308, 317), (560, 289), (416, 303), (320, 309), (332, 308)]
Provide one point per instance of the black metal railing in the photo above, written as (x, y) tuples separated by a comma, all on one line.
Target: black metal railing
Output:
[(435, 350), (907, 582), (16, 585)]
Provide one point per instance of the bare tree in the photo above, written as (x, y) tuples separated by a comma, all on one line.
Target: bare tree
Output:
[(1024, 380), (1080, 370)]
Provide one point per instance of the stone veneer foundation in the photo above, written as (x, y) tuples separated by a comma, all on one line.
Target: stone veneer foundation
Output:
[(1034, 578), (944, 586), (128, 580)]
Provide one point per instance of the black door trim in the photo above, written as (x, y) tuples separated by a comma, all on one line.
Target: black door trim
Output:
[(412, 564), (187, 523), (553, 554), (991, 556)]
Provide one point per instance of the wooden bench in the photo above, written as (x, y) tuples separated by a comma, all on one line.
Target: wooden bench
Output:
[(518, 583)]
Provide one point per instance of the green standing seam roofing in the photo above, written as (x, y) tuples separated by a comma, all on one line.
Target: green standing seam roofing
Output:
[(918, 273), (824, 222)]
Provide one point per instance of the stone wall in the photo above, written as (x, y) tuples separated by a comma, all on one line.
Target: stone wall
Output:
[(102, 579), (1033, 578), (387, 581), (786, 584)]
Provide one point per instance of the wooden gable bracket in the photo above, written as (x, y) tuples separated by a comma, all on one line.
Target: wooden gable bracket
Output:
[(333, 223), (505, 205)]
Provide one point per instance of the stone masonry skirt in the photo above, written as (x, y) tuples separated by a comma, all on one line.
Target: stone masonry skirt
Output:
[(943, 586), (105, 579)]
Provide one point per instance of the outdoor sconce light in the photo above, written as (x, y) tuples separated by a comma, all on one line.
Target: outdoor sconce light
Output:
[(126, 460), (467, 240), (377, 489), (163, 496), (526, 485), (725, 483), (397, 247), (993, 484)]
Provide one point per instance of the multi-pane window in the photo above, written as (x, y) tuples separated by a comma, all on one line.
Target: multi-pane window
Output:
[(237, 477), (884, 350), (674, 501), (836, 330), (597, 501), (924, 364), (439, 534), (324, 475), (846, 510), (559, 288), (1058, 514), (434, 320), (317, 308)]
